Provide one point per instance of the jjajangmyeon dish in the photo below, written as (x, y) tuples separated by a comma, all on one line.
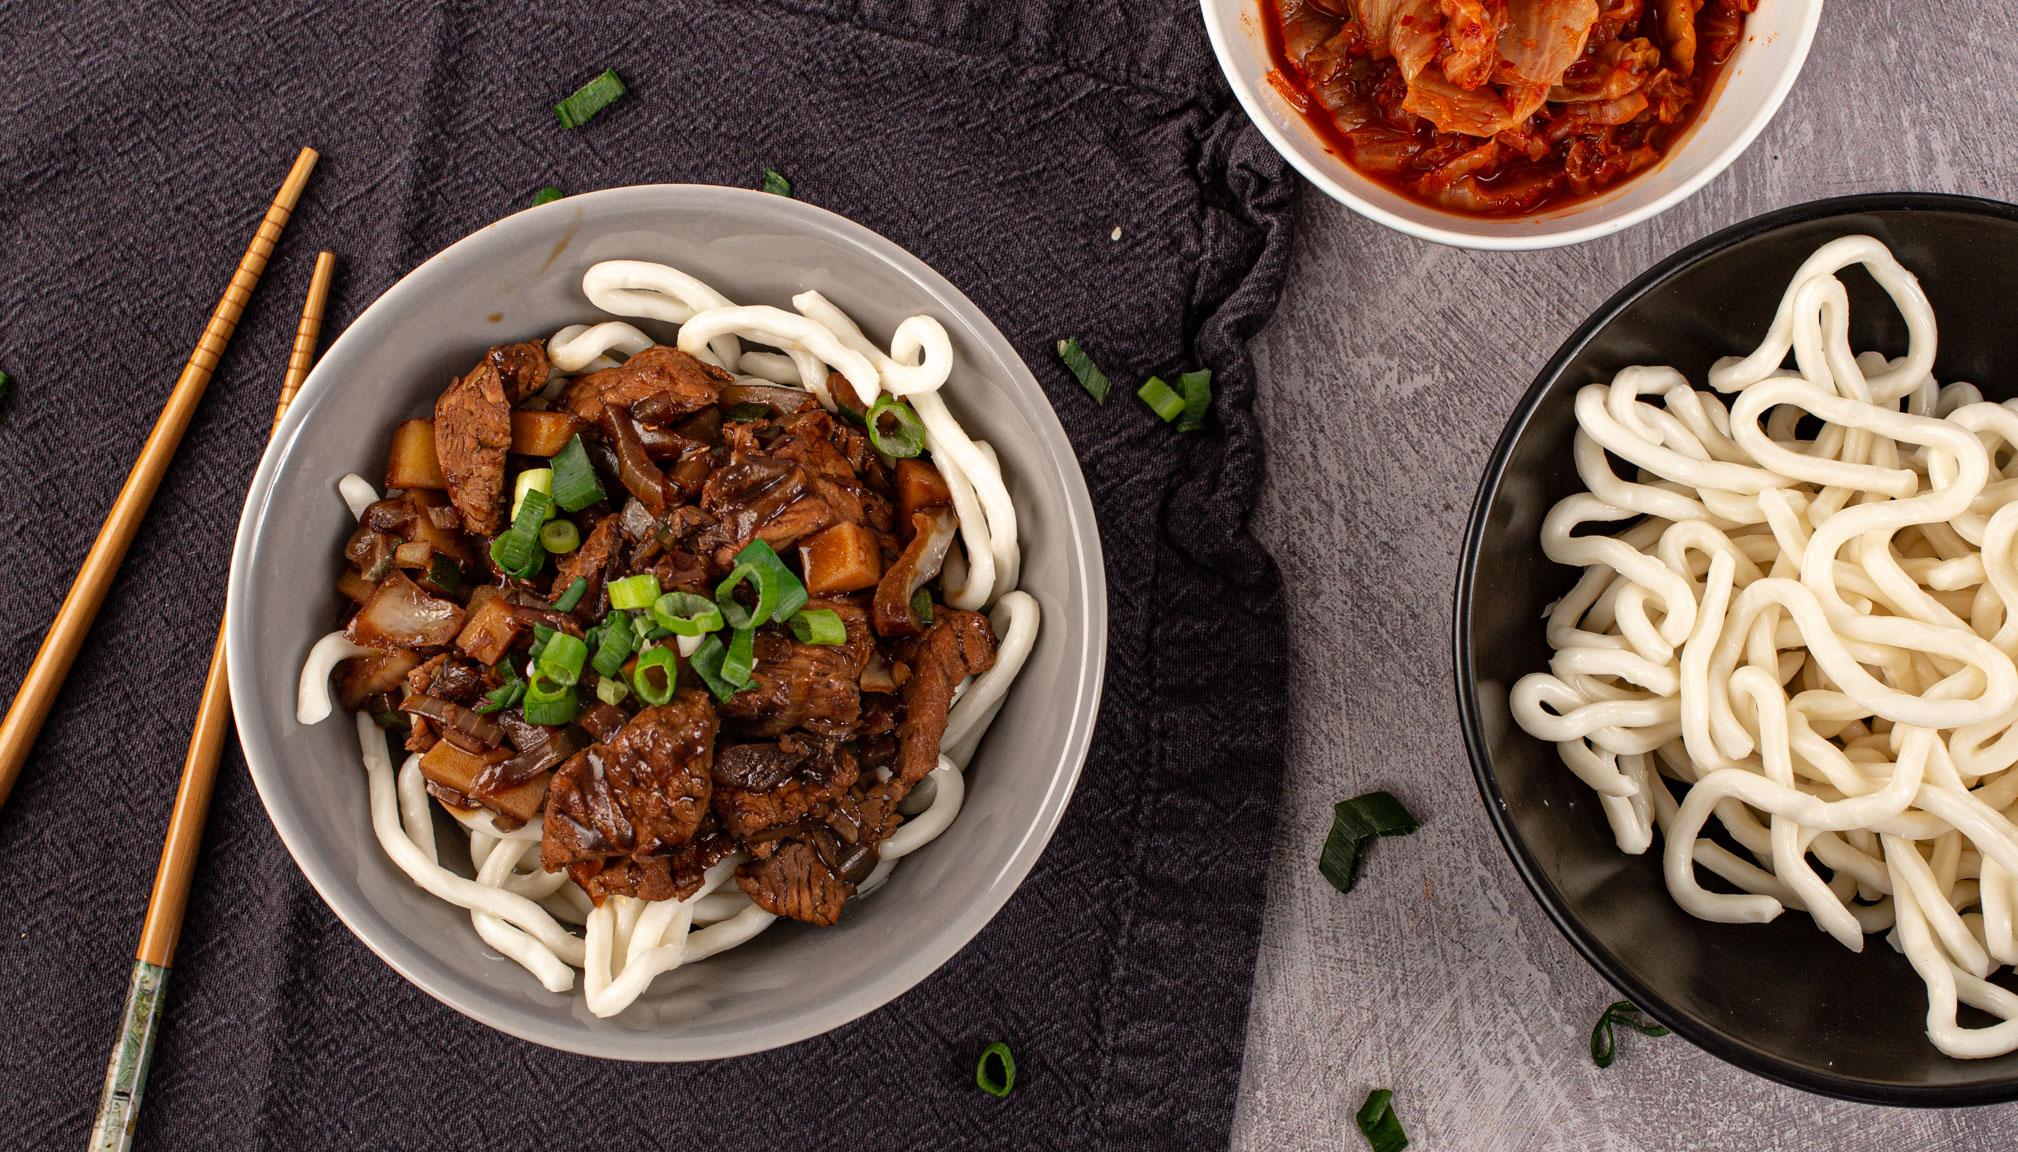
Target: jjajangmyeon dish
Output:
[(685, 638), (1806, 631)]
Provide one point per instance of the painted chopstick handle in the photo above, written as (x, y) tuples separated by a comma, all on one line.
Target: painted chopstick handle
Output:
[(126, 1074)]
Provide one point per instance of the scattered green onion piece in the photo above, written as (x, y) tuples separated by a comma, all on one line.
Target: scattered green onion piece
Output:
[(995, 1072), (779, 593), (575, 484), (541, 634), (391, 720), (611, 690), (687, 614), (613, 647), (547, 195), (1378, 1123), (1090, 376), (775, 184), (5, 380), (1604, 1046), (907, 439), (444, 573), (655, 675), (747, 412), (549, 703), (560, 537), (506, 694), (741, 658), (706, 662), (921, 607), (819, 626), (1197, 388), (516, 551), (577, 588), (646, 631), (562, 658), (1355, 824), (531, 480), (589, 99), (634, 591), (1161, 398)]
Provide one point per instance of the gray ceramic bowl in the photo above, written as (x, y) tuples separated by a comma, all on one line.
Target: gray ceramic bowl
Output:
[(520, 278)]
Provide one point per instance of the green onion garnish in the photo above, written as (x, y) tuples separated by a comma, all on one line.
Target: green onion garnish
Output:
[(1379, 1124), (775, 184), (995, 1072), (634, 591), (506, 694), (577, 588), (1090, 376), (921, 607), (740, 413), (562, 659), (575, 483), (779, 593), (819, 626), (560, 536), (444, 573), (5, 380), (1356, 823), (549, 703), (531, 480), (614, 645), (541, 634), (589, 99), (1161, 398), (1604, 1047), (655, 675), (687, 614), (611, 690), (1197, 388), (904, 441), (517, 551), (707, 663), (547, 195), (391, 720), (741, 658)]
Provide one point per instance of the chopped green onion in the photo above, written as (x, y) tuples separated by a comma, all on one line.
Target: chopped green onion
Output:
[(819, 626), (921, 607), (995, 1072), (391, 720), (1161, 398), (1604, 1047), (444, 573), (614, 645), (1090, 376), (562, 658), (577, 588), (687, 614), (775, 184), (589, 99), (611, 690), (575, 485), (655, 675), (643, 628), (1197, 388), (541, 634), (531, 480), (707, 663), (634, 591), (746, 412), (560, 536), (1379, 1124), (506, 694), (907, 439), (741, 658), (5, 380), (779, 593), (516, 551), (547, 195), (1355, 824), (549, 703)]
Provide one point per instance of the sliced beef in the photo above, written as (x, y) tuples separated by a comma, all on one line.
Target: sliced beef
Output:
[(761, 497), (674, 382), (785, 784), (591, 561), (815, 687), (793, 882), (641, 795), (473, 430), (957, 645)]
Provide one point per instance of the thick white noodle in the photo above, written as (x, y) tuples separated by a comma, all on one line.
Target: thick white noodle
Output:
[(311, 694), (657, 292), (1812, 635), (576, 347)]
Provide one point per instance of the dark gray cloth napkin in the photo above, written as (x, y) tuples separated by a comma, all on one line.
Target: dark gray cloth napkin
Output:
[(1003, 142)]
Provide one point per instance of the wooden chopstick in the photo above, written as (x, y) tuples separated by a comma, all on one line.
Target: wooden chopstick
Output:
[(126, 1072), (73, 620)]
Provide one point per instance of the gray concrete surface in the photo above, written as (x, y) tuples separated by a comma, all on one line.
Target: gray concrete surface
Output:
[(1386, 377)]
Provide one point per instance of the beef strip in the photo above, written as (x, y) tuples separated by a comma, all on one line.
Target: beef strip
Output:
[(809, 686), (761, 789), (473, 430), (760, 497), (591, 561), (640, 796), (795, 883), (957, 645), (677, 383)]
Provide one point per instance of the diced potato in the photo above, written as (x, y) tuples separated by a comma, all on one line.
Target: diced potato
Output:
[(413, 554), (448, 541), (542, 433), (412, 462), (452, 768), (356, 587), (360, 678), (919, 486), (490, 631), (843, 558)]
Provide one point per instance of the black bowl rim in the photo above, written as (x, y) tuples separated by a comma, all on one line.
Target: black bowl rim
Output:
[(1699, 1032)]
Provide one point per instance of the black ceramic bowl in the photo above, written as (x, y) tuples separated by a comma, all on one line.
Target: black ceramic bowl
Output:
[(1780, 999)]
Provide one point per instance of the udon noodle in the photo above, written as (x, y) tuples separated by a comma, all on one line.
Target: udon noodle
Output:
[(1808, 630), (543, 921)]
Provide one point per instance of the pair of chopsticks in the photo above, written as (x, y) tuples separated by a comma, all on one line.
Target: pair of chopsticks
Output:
[(126, 1072)]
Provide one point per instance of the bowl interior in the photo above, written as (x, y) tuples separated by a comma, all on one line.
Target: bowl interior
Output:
[(1780, 999), (1750, 91), (518, 279)]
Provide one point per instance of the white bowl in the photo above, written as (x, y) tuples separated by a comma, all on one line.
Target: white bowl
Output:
[(1757, 78)]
